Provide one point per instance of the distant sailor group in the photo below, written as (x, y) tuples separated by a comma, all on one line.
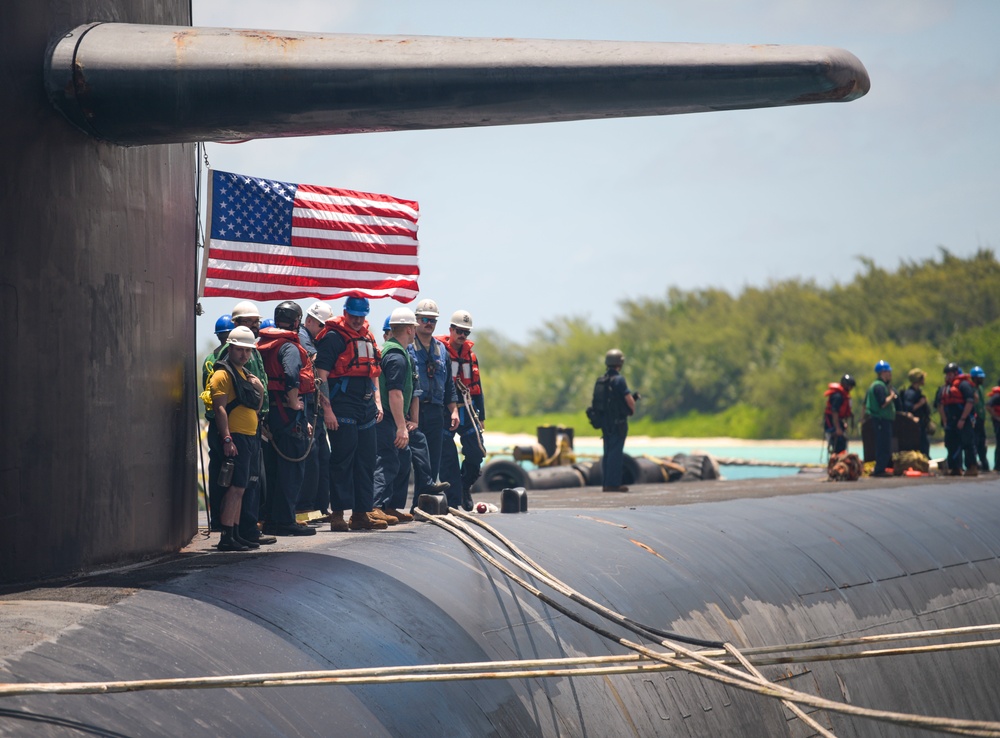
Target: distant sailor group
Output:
[(311, 414), (960, 402)]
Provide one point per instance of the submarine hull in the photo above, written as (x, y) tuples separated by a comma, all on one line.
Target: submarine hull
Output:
[(752, 572), (97, 276)]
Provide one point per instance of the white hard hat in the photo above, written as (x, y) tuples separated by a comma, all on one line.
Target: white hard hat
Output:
[(242, 336), (402, 316), (462, 319), (428, 308), (320, 311), (245, 309)]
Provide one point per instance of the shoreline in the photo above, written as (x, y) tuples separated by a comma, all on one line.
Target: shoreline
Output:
[(501, 440)]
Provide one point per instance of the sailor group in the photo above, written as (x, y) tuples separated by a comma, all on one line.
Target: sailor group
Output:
[(960, 404), (308, 412)]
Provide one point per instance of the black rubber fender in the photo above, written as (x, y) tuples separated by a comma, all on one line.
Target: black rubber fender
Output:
[(631, 473), (501, 474)]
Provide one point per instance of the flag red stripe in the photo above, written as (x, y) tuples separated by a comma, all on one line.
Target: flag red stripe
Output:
[(299, 221), (264, 296), (335, 192), (355, 209), (314, 262), (332, 244), (214, 273)]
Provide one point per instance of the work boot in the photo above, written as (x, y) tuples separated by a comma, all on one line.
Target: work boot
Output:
[(379, 514), (467, 500), (972, 471), (260, 538), (337, 522), (401, 516), (252, 545), (618, 488), (228, 543), (365, 521)]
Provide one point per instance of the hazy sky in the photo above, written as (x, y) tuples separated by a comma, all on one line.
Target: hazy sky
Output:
[(521, 224)]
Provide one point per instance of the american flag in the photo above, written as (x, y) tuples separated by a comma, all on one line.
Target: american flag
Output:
[(270, 240)]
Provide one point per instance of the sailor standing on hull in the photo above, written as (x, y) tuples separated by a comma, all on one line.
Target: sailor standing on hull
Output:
[(837, 413), (291, 389), (215, 456), (618, 404), (236, 395), (316, 484), (436, 390), (472, 414), (978, 376), (396, 386), (958, 400), (347, 363), (880, 406), (246, 315)]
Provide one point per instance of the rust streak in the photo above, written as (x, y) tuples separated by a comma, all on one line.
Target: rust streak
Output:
[(601, 520), (644, 547), (182, 38), (271, 38)]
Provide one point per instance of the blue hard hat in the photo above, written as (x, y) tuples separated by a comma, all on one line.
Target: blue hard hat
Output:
[(267, 323), (224, 324), (385, 325), (882, 366), (977, 371), (357, 306)]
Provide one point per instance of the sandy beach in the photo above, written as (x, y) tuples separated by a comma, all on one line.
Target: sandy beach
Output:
[(496, 441)]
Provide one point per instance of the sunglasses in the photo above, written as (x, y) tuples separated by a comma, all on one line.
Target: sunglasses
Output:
[(428, 320), (461, 331)]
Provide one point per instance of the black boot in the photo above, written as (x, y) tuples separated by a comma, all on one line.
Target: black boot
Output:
[(466, 500), (240, 539), (228, 542)]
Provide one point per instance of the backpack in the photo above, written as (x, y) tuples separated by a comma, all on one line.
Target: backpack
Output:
[(599, 413), (246, 394)]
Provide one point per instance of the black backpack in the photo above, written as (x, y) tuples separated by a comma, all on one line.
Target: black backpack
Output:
[(599, 413), (246, 394)]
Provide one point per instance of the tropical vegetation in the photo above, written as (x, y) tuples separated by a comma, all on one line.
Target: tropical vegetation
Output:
[(754, 364)]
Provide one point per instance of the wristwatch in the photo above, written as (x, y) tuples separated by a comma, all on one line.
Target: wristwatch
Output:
[(227, 439)]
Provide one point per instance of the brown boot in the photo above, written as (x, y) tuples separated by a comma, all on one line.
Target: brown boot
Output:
[(379, 514), (337, 522), (401, 516), (972, 471), (365, 521)]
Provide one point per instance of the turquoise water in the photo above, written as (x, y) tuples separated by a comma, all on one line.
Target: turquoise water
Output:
[(808, 454)]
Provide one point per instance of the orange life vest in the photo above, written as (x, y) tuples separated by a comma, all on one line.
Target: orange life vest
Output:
[(269, 345), (360, 357), (464, 365), (993, 407), (845, 407), (952, 395)]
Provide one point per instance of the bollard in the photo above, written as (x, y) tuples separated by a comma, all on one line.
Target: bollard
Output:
[(514, 500), (433, 504)]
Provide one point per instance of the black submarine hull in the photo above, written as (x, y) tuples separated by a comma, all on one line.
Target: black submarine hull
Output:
[(97, 288), (752, 572)]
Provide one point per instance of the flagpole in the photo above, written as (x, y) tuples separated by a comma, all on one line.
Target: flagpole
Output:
[(208, 236)]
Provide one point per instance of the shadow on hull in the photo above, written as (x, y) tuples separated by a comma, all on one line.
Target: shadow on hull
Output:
[(751, 572)]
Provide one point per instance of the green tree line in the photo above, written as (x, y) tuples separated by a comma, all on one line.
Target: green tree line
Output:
[(754, 365)]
